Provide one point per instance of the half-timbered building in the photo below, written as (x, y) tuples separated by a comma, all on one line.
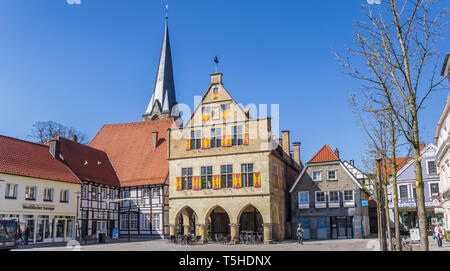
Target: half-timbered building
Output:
[(99, 186)]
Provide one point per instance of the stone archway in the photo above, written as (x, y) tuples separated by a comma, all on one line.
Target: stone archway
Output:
[(186, 221), (217, 223), (251, 223)]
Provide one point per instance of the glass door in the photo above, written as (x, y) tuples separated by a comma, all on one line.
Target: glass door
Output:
[(48, 230), (322, 228), (30, 226), (40, 230)]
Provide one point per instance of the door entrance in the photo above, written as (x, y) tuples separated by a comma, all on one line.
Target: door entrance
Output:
[(341, 227)]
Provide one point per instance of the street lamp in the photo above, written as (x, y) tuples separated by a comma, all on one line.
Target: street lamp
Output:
[(76, 219)]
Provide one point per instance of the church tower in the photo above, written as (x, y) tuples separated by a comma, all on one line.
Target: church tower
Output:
[(163, 102)]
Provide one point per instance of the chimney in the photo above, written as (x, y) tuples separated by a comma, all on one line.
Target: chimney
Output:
[(216, 78), (54, 148), (337, 153), (247, 112), (352, 162), (154, 139), (75, 138), (286, 144), (297, 152)]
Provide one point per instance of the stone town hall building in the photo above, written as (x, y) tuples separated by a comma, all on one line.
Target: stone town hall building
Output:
[(226, 175)]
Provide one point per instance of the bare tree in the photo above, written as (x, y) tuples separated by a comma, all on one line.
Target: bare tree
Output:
[(397, 45), (44, 131)]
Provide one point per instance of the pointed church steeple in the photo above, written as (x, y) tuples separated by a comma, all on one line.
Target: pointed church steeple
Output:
[(163, 100)]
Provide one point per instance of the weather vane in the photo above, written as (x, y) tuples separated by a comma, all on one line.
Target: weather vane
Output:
[(216, 60), (167, 11)]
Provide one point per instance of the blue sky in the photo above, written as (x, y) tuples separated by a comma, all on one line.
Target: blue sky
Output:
[(95, 63)]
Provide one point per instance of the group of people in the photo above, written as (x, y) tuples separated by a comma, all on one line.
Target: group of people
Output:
[(438, 232)]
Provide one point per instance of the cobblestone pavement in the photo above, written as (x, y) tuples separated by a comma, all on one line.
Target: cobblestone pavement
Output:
[(164, 245)]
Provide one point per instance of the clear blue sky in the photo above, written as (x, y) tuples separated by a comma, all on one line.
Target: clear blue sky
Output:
[(95, 63)]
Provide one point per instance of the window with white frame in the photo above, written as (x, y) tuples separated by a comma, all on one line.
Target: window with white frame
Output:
[(320, 197), (303, 199), (104, 193), (317, 176), (333, 196), (332, 175), (403, 191), (434, 189), (432, 169), (84, 191), (348, 195), (145, 192), (30, 192), (48, 194), (133, 221), (124, 221), (156, 222), (146, 221), (11, 191), (155, 193)]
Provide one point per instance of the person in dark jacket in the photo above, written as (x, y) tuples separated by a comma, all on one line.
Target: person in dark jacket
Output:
[(27, 235)]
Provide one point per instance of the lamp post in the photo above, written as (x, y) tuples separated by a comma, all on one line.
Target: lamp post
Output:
[(76, 219)]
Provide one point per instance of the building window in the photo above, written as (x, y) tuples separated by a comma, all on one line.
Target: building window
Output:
[(84, 191), (186, 178), (303, 199), (11, 191), (155, 193), (124, 221), (48, 194), (156, 222), (403, 189), (414, 193), (64, 196), (434, 189), (225, 110), (125, 194), (206, 177), (237, 135), (206, 113), (332, 175), (320, 197), (317, 176), (215, 113), (334, 196), (94, 193), (348, 195), (247, 175), (216, 137), (30, 192), (196, 138), (145, 193), (133, 221), (227, 176), (432, 170), (104, 194), (146, 221)]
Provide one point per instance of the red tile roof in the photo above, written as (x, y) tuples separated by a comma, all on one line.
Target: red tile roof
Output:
[(23, 158), (324, 155), (87, 163), (401, 161), (129, 148)]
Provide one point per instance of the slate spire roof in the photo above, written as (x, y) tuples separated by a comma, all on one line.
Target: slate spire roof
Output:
[(164, 91)]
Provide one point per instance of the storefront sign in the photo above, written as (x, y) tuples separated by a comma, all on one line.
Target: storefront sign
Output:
[(39, 207), (364, 203)]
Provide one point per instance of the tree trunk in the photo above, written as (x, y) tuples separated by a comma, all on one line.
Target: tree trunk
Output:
[(398, 239), (420, 199), (380, 224), (388, 218)]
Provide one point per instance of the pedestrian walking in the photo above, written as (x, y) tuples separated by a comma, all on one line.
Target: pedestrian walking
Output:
[(300, 234), (439, 230), (27, 235), (432, 227)]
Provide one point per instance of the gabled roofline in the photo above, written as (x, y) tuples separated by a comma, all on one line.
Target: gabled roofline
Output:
[(411, 161)]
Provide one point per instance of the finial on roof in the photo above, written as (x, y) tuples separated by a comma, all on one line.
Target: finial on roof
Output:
[(167, 12)]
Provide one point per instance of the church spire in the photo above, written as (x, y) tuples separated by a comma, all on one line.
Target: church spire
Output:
[(163, 99)]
